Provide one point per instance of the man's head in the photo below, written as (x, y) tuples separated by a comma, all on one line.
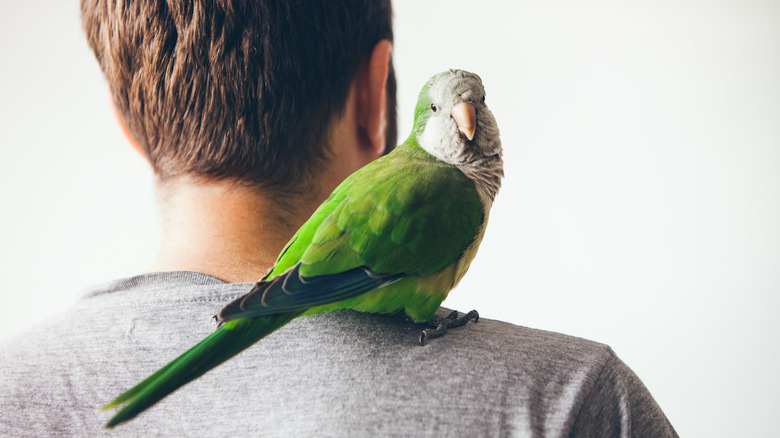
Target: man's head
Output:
[(236, 89)]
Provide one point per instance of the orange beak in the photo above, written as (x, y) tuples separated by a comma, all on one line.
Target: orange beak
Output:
[(466, 118)]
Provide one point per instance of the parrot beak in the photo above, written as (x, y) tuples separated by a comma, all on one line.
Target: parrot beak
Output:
[(466, 118)]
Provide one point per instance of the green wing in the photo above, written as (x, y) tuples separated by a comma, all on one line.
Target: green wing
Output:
[(404, 213)]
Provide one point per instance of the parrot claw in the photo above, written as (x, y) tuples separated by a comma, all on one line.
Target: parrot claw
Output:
[(443, 324), (457, 322)]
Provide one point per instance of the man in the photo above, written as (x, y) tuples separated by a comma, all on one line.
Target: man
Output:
[(250, 113)]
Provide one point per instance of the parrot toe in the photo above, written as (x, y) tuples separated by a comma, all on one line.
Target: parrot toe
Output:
[(442, 324)]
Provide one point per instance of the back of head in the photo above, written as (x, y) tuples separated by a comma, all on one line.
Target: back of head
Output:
[(235, 89)]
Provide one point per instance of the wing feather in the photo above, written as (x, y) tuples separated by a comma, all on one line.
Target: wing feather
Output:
[(293, 291)]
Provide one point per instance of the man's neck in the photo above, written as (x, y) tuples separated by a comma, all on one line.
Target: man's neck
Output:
[(230, 232)]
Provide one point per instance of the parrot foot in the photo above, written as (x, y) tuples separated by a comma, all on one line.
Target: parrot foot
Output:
[(443, 324)]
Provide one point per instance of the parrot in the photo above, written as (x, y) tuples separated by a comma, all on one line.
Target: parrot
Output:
[(396, 235)]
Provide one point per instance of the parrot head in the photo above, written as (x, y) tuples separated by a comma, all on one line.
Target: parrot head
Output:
[(454, 124)]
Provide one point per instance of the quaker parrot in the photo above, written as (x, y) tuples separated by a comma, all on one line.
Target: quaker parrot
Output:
[(398, 234)]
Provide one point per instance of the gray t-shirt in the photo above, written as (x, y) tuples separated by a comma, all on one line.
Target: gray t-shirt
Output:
[(339, 374)]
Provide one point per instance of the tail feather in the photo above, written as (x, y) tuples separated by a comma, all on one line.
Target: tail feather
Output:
[(224, 343)]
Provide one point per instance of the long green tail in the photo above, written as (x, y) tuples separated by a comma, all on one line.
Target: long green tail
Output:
[(224, 343)]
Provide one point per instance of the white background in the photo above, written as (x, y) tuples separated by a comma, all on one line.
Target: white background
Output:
[(640, 207)]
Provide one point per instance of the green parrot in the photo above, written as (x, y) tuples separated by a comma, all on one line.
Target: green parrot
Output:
[(398, 234)]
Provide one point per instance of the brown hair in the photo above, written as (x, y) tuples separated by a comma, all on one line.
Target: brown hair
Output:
[(239, 89)]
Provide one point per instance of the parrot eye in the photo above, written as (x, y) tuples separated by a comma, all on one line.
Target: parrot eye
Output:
[(483, 98), (434, 108)]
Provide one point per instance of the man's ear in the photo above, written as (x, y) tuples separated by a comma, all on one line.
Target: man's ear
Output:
[(130, 138), (372, 102)]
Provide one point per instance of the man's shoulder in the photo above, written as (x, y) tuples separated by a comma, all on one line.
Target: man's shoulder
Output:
[(523, 342), (58, 373), (484, 377), (582, 387)]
